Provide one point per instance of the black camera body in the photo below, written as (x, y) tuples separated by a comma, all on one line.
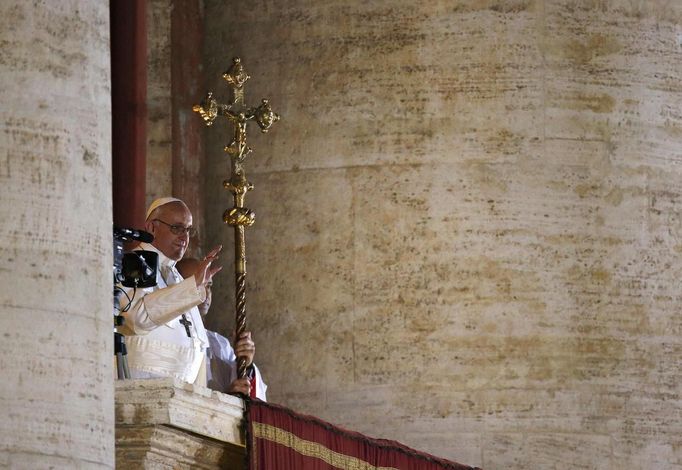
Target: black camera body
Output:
[(137, 268)]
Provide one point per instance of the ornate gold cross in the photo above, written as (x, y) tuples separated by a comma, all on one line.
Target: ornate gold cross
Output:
[(238, 216)]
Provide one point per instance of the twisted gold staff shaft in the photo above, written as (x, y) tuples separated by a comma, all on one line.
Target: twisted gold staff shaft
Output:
[(238, 216)]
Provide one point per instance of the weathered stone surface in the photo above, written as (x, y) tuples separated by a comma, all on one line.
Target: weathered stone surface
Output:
[(174, 403), (168, 424), (167, 448), (175, 156), (159, 102), (308, 243), (468, 222), (55, 239)]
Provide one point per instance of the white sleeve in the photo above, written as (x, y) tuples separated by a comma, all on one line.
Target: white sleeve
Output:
[(261, 387), (223, 370), (153, 308)]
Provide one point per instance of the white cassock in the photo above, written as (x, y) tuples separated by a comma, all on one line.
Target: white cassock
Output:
[(221, 367), (157, 341)]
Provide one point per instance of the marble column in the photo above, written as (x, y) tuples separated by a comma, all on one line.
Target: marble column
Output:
[(56, 391)]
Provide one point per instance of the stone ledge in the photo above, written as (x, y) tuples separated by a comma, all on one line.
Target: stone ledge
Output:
[(165, 448), (189, 408)]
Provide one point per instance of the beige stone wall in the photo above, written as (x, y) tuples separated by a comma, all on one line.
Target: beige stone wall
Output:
[(159, 105), (469, 223), (56, 392)]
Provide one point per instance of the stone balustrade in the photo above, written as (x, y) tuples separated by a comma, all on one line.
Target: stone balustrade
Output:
[(168, 424)]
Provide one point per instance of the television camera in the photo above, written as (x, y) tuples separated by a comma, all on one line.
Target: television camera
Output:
[(135, 269)]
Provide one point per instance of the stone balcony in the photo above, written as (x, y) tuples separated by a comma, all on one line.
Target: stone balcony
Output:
[(168, 424)]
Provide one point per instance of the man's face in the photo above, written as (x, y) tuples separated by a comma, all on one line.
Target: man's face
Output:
[(159, 224)]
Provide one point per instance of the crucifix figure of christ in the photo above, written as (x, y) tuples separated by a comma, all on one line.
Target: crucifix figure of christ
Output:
[(239, 217), (187, 324)]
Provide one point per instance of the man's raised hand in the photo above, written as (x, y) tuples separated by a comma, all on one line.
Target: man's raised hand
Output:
[(205, 271)]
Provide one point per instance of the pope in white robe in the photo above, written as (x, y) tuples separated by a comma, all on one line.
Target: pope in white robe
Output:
[(156, 337), (165, 334)]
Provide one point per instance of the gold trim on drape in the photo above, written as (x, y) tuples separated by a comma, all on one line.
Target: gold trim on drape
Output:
[(311, 449)]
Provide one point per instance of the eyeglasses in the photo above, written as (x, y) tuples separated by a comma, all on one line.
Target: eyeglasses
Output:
[(178, 229)]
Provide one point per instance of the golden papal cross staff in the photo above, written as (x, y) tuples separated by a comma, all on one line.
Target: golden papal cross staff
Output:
[(239, 216)]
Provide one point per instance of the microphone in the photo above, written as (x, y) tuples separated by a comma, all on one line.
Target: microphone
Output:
[(129, 234)]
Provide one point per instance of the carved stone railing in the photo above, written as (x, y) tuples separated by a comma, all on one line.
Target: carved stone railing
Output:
[(168, 424)]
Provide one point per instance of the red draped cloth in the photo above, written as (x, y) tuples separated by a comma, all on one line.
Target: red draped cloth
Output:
[(281, 439)]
